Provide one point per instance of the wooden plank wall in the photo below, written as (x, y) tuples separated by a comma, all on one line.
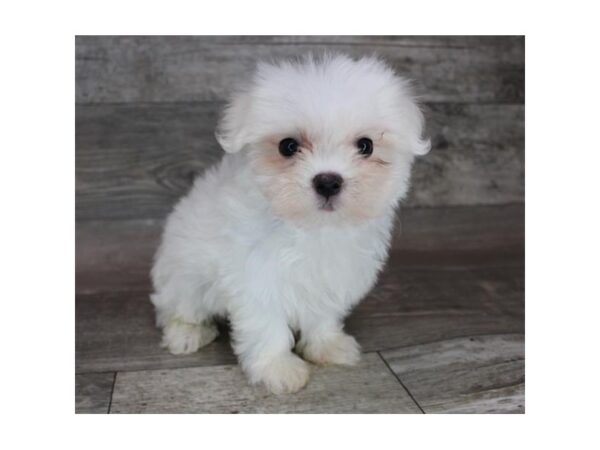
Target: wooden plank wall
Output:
[(147, 107)]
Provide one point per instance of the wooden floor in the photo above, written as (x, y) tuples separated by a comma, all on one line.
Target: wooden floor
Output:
[(442, 332)]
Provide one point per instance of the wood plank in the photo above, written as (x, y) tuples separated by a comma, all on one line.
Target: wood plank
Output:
[(206, 68), (483, 374), (93, 392), (415, 306), (117, 255), (116, 331), (477, 156), (460, 230), (135, 161), (367, 388)]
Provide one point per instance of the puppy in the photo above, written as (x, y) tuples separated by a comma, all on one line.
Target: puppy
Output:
[(290, 230)]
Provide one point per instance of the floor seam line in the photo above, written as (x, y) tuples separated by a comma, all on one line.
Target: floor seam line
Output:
[(112, 392), (401, 383)]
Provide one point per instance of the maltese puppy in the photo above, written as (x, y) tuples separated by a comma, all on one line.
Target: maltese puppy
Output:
[(290, 230)]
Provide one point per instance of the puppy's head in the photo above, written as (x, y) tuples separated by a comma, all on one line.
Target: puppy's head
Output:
[(329, 139)]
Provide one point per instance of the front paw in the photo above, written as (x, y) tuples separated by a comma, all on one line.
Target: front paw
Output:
[(286, 374), (182, 337), (338, 348)]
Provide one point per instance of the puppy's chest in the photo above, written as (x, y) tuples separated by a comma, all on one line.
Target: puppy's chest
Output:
[(338, 266)]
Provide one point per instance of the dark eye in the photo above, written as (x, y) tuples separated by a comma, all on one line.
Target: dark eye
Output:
[(365, 146), (288, 146)]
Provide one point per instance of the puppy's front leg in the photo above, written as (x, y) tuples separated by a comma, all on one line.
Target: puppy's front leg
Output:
[(324, 342), (263, 342)]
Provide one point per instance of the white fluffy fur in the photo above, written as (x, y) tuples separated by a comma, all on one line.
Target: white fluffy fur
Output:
[(251, 240)]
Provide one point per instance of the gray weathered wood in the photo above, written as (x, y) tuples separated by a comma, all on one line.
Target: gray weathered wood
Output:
[(135, 161), (454, 272), (117, 255), (367, 388), (459, 230), (116, 331), (483, 374), (448, 311), (477, 156), (414, 306), (206, 68), (93, 392)]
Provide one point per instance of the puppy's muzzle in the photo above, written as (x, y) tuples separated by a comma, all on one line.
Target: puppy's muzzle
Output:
[(328, 184)]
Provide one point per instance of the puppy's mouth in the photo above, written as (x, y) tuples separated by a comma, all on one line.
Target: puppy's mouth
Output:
[(327, 205)]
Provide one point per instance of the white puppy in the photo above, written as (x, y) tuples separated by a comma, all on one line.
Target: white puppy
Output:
[(290, 230)]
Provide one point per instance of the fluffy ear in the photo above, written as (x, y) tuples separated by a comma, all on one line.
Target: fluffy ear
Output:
[(421, 146), (233, 130), (418, 144), (410, 118)]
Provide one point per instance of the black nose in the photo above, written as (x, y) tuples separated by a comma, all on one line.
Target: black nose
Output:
[(328, 184)]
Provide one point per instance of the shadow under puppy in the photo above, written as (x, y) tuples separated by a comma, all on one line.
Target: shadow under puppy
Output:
[(290, 230)]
